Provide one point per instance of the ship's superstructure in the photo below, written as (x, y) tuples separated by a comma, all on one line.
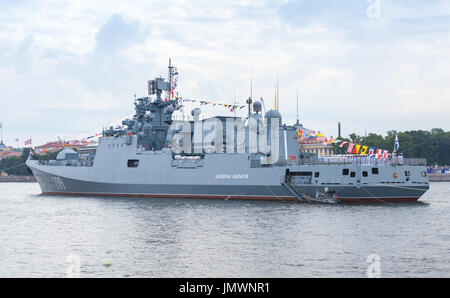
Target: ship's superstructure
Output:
[(253, 157)]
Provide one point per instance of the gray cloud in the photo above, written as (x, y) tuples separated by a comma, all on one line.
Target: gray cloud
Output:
[(117, 33)]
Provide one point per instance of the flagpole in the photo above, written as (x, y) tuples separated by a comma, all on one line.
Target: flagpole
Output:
[(396, 144)]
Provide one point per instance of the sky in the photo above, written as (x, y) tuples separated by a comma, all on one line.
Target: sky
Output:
[(68, 68)]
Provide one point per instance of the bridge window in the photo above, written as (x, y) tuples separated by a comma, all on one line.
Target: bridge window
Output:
[(345, 172), (365, 174), (407, 173), (317, 174), (353, 174), (133, 163), (375, 171), (424, 173)]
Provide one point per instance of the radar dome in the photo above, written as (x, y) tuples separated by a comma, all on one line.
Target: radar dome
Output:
[(273, 114), (196, 112), (257, 106), (169, 110)]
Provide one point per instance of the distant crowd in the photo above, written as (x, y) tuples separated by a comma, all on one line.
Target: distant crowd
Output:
[(437, 169)]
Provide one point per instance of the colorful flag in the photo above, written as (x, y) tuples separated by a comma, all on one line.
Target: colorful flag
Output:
[(304, 135), (371, 151), (364, 150), (342, 144), (356, 149), (378, 153), (397, 144), (299, 135), (385, 153), (350, 148), (28, 142)]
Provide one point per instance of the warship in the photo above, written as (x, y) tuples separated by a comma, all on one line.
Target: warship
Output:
[(255, 157)]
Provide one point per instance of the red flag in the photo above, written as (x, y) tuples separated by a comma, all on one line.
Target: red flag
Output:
[(356, 149), (378, 153), (342, 144), (350, 148)]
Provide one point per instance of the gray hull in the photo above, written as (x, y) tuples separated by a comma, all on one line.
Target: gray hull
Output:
[(53, 184)]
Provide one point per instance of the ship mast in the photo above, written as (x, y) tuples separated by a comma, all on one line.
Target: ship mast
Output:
[(170, 77), (250, 99), (297, 108), (278, 92), (1, 136), (172, 73)]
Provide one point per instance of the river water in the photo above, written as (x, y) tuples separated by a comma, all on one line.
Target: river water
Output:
[(52, 236)]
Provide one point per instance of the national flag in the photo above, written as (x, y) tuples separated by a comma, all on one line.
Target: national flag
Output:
[(397, 144), (342, 144), (350, 148), (356, 149), (364, 150), (28, 142)]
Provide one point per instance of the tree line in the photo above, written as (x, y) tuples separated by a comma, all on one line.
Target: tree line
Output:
[(16, 165)]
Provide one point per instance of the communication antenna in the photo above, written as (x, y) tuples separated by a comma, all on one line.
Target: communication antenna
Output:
[(278, 92), (264, 105), (251, 82), (250, 99), (1, 135), (275, 98), (234, 100), (297, 107), (172, 73)]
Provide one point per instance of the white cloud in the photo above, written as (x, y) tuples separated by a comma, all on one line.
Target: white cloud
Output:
[(68, 66)]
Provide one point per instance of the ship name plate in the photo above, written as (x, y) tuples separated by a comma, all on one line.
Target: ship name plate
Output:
[(232, 176)]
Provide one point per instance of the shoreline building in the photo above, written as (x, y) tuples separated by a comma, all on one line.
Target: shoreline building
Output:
[(317, 146)]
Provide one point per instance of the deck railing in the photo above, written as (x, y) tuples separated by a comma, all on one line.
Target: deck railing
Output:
[(361, 161)]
